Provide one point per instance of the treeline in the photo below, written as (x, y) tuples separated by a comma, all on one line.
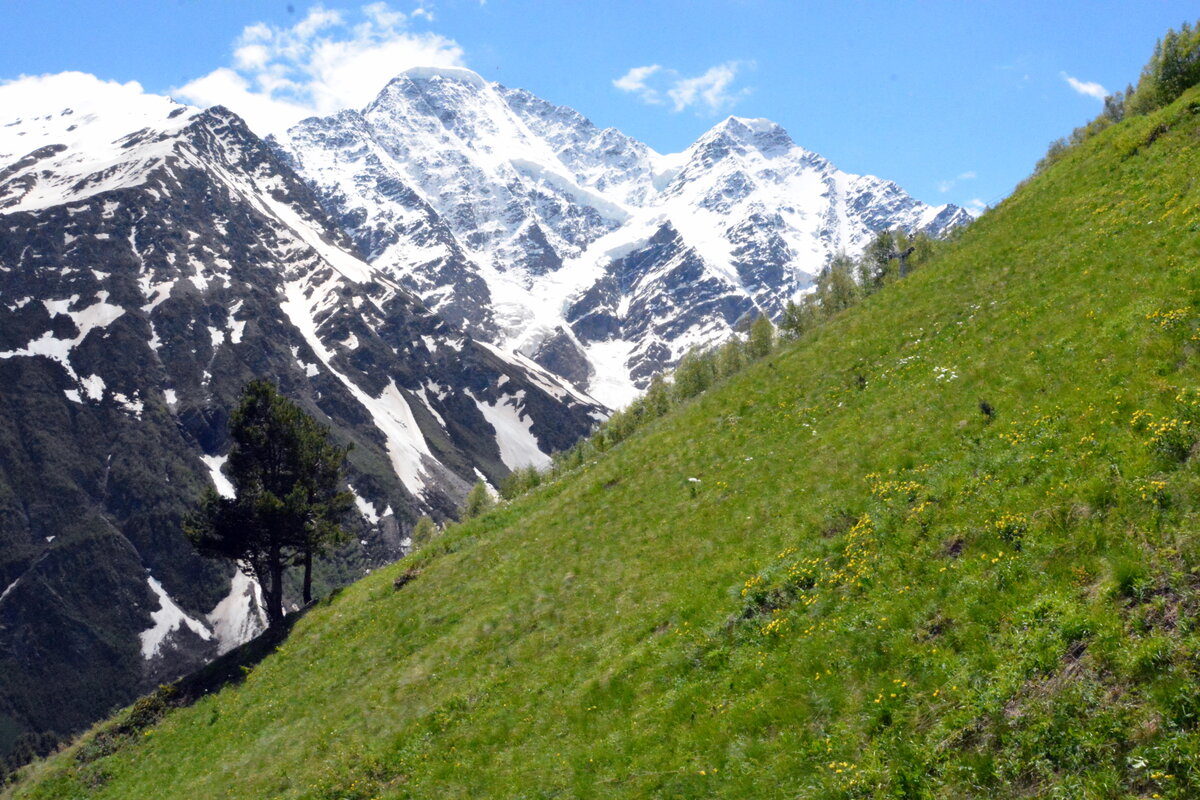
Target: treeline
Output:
[(698, 370), (845, 282), (1173, 68)]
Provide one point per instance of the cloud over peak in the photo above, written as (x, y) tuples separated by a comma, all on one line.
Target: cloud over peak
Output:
[(709, 92), (320, 65)]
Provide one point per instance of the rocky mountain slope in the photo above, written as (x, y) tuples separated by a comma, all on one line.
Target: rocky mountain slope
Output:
[(154, 258), (580, 247), (839, 574)]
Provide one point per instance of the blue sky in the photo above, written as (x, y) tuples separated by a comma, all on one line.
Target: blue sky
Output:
[(955, 101)]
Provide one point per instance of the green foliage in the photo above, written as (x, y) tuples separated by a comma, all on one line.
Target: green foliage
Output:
[(731, 356), (799, 318), (657, 399), (762, 338), (696, 372), (423, 532), (145, 713), (479, 501), (520, 481), (287, 502), (1173, 68), (875, 266)]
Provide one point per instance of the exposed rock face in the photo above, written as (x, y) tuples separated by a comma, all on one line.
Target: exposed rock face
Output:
[(145, 277), (580, 247)]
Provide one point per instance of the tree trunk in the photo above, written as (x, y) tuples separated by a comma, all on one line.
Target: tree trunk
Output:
[(275, 590), (307, 575)]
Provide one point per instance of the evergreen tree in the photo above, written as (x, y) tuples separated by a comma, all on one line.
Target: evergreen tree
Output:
[(287, 501), (1173, 68), (520, 481)]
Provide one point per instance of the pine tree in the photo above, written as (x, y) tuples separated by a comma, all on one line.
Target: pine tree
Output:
[(520, 481), (799, 317), (1173, 68), (287, 501)]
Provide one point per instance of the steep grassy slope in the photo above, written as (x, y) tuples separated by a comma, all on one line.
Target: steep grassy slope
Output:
[(871, 589)]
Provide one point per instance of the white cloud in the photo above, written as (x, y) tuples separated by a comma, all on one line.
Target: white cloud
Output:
[(635, 81), (383, 16), (320, 65), (976, 206), (1089, 88), (711, 91), (947, 185)]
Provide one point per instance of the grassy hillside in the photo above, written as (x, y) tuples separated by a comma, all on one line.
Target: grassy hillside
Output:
[(872, 588)]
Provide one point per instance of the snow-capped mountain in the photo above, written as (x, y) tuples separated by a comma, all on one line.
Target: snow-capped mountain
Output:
[(580, 247), (153, 259)]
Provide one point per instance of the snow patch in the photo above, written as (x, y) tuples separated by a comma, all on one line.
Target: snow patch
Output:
[(365, 507), (514, 435), (239, 617), (131, 404), (236, 326), (10, 587), (611, 384), (98, 315), (423, 397), (168, 618), (406, 446), (223, 484), (93, 387)]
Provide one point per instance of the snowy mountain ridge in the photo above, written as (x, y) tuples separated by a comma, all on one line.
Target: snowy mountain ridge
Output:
[(153, 259), (581, 247)]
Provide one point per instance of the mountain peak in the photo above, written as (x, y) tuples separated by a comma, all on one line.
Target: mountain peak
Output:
[(519, 217), (762, 134), (456, 74), (79, 111), (742, 135)]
